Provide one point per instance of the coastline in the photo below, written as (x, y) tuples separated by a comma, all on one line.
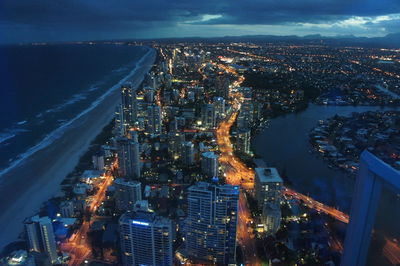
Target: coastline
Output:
[(24, 188)]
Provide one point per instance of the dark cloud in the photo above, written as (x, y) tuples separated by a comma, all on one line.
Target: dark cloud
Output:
[(111, 17)]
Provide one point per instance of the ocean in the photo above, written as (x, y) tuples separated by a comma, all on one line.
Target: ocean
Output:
[(44, 88)]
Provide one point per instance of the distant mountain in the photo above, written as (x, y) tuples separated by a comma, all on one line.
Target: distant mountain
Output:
[(389, 41)]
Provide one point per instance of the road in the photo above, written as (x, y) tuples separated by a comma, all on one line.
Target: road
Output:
[(237, 173), (313, 204), (77, 246)]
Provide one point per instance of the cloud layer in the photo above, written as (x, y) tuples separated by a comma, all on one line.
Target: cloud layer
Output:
[(36, 20)]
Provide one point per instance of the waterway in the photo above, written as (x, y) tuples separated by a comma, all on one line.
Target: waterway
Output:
[(284, 144)]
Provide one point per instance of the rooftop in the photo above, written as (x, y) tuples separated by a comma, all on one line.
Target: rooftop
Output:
[(268, 175), (121, 181), (210, 154)]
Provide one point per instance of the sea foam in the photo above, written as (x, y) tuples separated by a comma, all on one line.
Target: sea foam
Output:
[(57, 133)]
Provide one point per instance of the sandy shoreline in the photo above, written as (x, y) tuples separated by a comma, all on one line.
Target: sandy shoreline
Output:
[(27, 186)]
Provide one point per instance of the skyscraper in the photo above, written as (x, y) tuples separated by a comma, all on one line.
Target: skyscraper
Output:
[(128, 157), (222, 86), (268, 187), (208, 116), (188, 153), (119, 121), (243, 140), (175, 142), (209, 164), (40, 234), (153, 119), (126, 194), (146, 239), (128, 105), (212, 222), (219, 104), (246, 115)]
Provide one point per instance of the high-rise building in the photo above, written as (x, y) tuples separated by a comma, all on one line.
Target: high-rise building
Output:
[(67, 208), (175, 143), (149, 94), (128, 157), (154, 119), (246, 115), (219, 104), (146, 239), (268, 185), (210, 227), (128, 105), (208, 116), (222, 86), (98, 160), (271, 217), (243, 140), (40, 236), (188, 153), (209, 164), (119, 121), (126, 194)]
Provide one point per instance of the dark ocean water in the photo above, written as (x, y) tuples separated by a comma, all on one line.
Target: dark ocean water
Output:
[(44, 87)]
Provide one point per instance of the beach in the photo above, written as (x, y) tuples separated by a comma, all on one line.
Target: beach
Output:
[(38, 178)]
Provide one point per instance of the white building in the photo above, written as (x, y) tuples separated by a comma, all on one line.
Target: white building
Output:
[(126, 193), (40, 236), (268, 185), (146, 239)]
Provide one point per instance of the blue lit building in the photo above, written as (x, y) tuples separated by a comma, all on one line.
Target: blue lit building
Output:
[(210, 228), (146, 239)]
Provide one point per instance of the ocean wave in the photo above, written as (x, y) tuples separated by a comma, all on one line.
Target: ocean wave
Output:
[(119, 69), (79, 96), (57, 133), (74, 99), (10, 133), (4, 137)]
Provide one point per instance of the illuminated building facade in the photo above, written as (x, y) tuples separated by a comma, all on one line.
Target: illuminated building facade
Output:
[(212, 223), (40, 236), (126, 194), (268, 187), (128, 157), (208, 116), (209, 164), (153, 119), (128, 105), (188, 158), (243, 141), (146, 239)]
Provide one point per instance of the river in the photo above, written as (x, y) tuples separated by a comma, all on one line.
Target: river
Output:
[(284, 144)]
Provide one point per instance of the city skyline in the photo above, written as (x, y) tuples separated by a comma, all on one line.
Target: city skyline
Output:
[(165, 133)]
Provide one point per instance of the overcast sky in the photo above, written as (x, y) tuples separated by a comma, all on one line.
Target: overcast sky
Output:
[(67, 20)]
